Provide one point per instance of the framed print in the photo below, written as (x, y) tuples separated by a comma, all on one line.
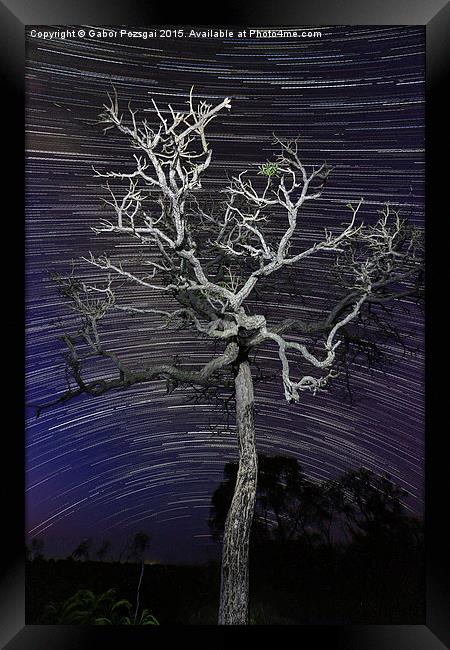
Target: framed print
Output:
[(227, 381)]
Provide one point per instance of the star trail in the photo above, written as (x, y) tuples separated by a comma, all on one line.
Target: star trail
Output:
[(140, 459)]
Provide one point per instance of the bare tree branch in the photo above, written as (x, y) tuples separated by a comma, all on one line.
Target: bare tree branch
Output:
[(210, 262)]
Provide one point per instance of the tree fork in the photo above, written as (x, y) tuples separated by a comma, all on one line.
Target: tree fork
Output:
[(210, 264), (234, 588)]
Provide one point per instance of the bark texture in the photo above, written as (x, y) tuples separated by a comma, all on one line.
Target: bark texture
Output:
[(234, 588)]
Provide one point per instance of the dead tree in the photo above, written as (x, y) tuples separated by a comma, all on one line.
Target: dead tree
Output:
[(210, 263)]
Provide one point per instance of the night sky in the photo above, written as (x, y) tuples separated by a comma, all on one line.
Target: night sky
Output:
[(140, 459)]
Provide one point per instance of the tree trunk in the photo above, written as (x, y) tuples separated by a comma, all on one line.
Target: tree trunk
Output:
[(234, 588)]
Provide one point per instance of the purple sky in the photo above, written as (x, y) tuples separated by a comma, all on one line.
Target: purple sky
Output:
[(139, 459)]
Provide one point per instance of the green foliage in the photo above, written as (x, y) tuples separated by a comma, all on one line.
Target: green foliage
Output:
[(350, 583), (87, 608), (268, 169)]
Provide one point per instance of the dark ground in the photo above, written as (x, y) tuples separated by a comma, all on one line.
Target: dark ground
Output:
[(317, 585)]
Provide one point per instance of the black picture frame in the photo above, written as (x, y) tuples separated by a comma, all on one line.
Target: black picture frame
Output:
[(14, 16)]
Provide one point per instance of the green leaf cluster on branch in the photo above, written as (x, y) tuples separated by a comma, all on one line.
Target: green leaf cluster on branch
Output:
[(209, 262)]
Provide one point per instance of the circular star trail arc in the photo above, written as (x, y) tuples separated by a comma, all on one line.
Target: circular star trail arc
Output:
[(142, 459)]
